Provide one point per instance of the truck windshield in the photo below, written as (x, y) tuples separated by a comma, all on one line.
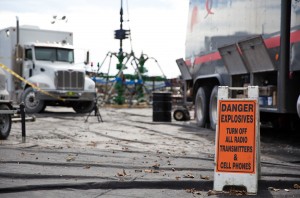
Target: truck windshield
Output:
[(54, 54)]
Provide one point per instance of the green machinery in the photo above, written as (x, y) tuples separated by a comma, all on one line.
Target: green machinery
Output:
[(123, 58), (139, 77)]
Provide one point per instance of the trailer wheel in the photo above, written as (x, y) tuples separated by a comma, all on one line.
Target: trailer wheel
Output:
[(83, 107), (201, 106), (5, 123), (213, 108), (32, 104), (181, 114)]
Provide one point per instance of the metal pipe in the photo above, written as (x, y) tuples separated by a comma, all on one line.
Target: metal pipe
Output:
[(121, 27), (18, 30), (283, 70), (22, 111)]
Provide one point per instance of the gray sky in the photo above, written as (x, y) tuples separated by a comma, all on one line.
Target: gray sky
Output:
[(158, 27)]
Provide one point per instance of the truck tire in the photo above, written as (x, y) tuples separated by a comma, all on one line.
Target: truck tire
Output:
[(5, 123), (83, 107), (298, 106), (32, 104), (213, 104), (201, 106)]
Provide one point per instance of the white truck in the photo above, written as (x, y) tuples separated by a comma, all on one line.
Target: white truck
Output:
[(5, 108), (45, 59)]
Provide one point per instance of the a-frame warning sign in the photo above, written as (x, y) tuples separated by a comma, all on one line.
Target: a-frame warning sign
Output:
[(237, 159)]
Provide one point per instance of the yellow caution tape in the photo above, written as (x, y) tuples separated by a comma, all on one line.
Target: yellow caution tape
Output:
[(29, 83)]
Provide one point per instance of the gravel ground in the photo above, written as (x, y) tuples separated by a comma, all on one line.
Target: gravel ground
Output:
[(127, 155)]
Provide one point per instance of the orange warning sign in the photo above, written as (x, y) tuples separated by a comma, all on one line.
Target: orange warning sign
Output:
[(236, 136)]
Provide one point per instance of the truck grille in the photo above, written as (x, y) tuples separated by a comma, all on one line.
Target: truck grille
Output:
[(69, 80)]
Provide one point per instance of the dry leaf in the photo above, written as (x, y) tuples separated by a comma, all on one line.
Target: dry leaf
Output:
[(70, 158), (188, 176), (151, 171), (204, 177), (125, 149), (237, 192), (177, 178), (156, 166), (193, 191), (121, 174), (124, 172), (296, 186), (211, 155), (92, 143), (189, 190), (273, 189), (87, 166), (211, 192)]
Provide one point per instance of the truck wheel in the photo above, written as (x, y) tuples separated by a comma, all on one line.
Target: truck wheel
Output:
[(32, 104), (5, 123), (213, 108), (201, 106), (298, 106), (83, 107)]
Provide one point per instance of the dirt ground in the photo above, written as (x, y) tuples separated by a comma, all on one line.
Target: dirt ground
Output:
[(127, 155)]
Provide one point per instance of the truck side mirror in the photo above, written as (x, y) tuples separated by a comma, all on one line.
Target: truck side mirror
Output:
[(87, 58)]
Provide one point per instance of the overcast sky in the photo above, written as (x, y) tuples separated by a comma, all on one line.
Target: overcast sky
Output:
[(158, 27)]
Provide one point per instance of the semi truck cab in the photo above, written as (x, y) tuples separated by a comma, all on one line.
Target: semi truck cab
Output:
[(51, 67), (46, 60)]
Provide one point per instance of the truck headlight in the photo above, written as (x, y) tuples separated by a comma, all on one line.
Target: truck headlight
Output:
[(91, 87), (43, 85)]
